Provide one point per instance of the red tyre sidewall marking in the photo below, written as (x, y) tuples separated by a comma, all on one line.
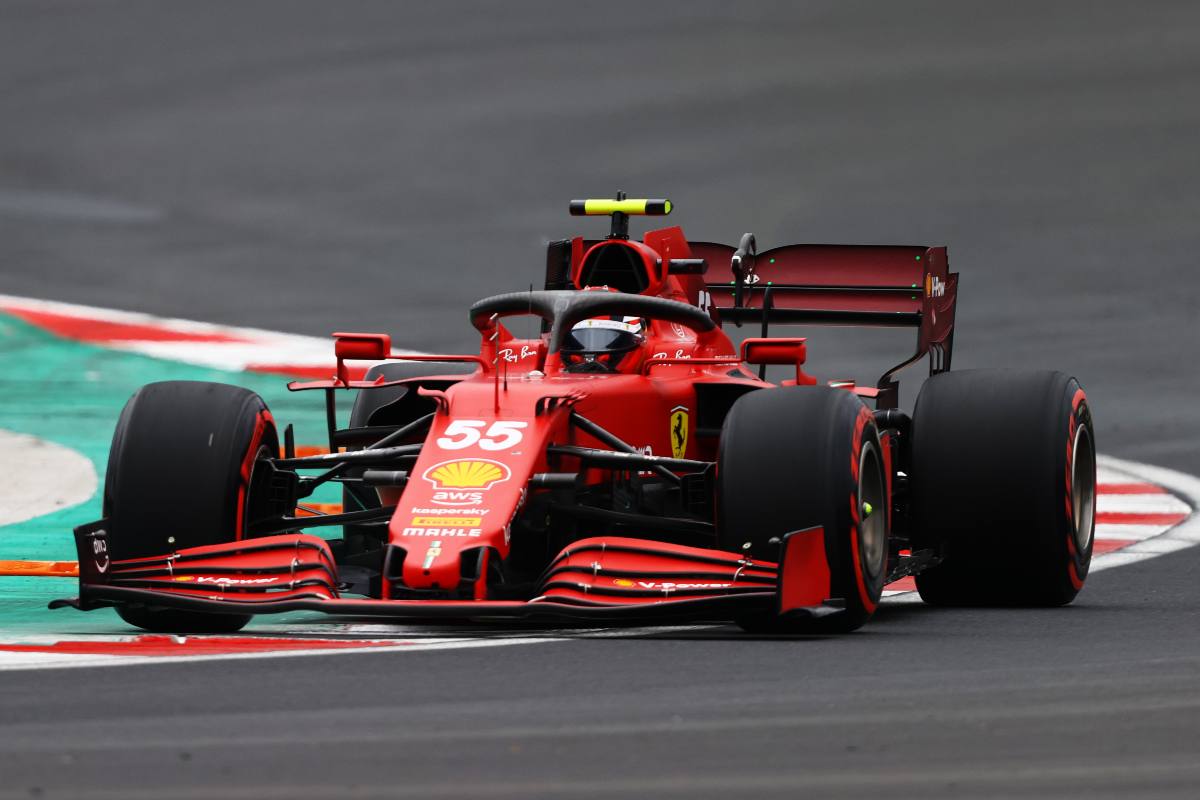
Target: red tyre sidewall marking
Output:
[(864, 416), (261, 421), (1074, 558)]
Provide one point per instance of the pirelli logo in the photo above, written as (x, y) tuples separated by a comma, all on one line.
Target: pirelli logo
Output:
[(447, 522)]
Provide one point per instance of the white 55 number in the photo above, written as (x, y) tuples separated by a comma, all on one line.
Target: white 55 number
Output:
[(462, 433)]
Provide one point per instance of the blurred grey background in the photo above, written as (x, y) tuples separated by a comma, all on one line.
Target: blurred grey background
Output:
[(378, 165)]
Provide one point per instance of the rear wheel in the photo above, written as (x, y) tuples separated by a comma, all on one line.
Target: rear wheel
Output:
[(1004, 487), (798, 457), (179, 473)]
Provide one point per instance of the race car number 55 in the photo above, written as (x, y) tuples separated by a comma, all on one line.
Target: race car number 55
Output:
[(462, 433)]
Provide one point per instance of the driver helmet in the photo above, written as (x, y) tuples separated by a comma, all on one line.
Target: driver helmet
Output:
[(605, 344)]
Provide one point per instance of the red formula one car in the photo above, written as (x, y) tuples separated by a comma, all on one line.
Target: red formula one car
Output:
[(626, 463)]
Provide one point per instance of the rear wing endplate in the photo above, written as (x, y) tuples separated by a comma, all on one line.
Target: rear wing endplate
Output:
[(817, 284)]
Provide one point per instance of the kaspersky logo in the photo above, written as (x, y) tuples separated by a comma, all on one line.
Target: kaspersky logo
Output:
[(463, 482), (934, 286)]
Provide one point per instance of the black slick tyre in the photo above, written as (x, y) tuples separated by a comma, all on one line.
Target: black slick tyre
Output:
[(798, 457), (1003, 487), (178, 476)]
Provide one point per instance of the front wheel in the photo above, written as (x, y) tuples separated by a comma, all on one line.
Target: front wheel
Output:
[(179, 475), (799, 457)]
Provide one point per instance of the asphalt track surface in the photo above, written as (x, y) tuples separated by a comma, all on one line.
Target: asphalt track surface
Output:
[(311, 167)]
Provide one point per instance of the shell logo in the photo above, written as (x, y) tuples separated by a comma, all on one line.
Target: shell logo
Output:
[(467, 474), (623, 582)]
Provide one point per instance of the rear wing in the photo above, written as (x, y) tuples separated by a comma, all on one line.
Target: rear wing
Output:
[(817, 284)]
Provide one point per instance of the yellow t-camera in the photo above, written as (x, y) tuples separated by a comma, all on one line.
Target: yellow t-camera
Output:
[(632, 208)]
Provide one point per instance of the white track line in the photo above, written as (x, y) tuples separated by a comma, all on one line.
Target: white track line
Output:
[(10, 661), (230, 347), (1143, 504)]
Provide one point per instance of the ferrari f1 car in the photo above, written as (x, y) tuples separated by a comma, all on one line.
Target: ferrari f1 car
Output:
[(626, 461)]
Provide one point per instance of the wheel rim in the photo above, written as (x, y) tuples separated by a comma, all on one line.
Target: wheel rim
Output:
[(1083, 488), (249, 508), (872, 526)]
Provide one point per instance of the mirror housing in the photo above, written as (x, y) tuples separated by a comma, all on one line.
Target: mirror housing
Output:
[(779, 351), (361, 347)]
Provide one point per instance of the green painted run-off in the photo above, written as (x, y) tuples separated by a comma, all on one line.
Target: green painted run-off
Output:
[(72, 393)]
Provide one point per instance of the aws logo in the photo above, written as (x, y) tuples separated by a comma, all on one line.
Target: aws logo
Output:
[(934, 286), (456, 498)]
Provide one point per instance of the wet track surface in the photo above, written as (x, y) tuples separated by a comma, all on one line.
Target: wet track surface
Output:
[(379, 166)]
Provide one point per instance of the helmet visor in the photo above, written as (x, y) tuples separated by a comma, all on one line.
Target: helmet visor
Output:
[(600, 340)]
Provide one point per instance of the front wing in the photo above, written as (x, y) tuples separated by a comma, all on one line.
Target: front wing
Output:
[(598, 579)]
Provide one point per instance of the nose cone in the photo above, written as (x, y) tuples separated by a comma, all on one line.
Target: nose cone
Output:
[(455, 505), (437, 538), (470, 481)]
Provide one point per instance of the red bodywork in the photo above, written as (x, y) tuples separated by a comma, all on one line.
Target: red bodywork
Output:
[(493, 431)]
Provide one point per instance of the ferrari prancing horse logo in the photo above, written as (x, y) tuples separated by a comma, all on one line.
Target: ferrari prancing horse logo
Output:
[(679, 431)]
